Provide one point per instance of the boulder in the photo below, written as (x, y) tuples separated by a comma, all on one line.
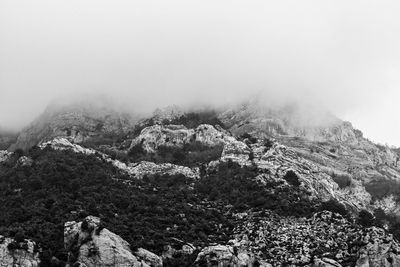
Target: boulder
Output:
[(380, 249), (223, 256), (150, 258), (325, 262), (5, 155), (18, 254), (92, 245), (24, 161)]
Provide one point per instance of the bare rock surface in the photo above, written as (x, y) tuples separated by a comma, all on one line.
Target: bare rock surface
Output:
[(96, 246), (18, 254), (326, 239), (77, 121), (135, 170), (5, 155), (152, 137)]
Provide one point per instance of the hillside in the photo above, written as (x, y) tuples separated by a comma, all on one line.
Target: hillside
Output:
[(244, 186)]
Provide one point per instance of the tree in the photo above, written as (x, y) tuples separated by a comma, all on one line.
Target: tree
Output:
[(365, 218)]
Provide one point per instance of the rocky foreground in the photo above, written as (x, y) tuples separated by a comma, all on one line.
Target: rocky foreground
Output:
[(260, 240)]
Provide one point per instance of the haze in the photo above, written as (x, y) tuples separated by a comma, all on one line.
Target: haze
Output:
[(343, 55)]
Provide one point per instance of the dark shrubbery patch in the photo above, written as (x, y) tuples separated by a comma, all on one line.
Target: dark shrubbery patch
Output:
[(106, 139), (236, 186), (190, 154), (194, 119), (334, 206), (381, 188), (145, 213), (365, 218), (268, 144), (248, 138), (292, 178), (342, 180)]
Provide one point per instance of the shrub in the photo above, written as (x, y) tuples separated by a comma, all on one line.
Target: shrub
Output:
[(381, 188), (292, 178), (342, 180), (191, 154), (334, 206), (365, 218), (194, 119)]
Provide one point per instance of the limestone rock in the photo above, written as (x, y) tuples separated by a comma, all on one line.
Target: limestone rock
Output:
[(24, 161), (150, 258), (97, 246), (326, 262), (155, 136), (135, 170), (18, 254), (380, 249), (5, 155), (222, 256), (77, 121), (141, 169)]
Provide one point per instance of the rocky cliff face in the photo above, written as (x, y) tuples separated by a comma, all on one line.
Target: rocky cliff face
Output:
[(332, 146), (77, 122)]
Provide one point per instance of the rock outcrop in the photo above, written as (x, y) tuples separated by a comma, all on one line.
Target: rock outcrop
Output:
[(92, 245), (77, 122), (135, 170), (5, 155), (146, 168), (18, 254), (330, 145), (153, 137), (379, 249), (24, 161), (326, 239), (223, 256)]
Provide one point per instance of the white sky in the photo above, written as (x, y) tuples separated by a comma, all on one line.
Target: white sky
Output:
[(344, 55)]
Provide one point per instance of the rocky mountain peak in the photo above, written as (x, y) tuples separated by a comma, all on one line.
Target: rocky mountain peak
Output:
[(78, 121), (289, 120)]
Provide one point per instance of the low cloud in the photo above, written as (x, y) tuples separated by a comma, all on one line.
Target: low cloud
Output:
[(341, 55)]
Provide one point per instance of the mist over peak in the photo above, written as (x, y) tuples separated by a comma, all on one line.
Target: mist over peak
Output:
[(153, 54)]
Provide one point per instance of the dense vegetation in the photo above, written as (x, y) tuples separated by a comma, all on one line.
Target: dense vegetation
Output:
[(190, 154), (380, 188), (62, 186), (194, 119), (343, 180)]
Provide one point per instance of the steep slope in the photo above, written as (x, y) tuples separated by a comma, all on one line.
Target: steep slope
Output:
[(338, 149)]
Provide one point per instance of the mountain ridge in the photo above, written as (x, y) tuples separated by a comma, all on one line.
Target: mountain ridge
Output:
[(251, 167)]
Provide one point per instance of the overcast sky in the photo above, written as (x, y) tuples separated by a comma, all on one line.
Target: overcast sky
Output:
[(344, 55)]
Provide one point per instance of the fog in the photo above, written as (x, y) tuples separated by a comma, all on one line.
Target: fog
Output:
[(341, 55)]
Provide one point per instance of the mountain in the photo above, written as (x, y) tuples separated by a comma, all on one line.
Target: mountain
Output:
[(83, 121), (244, 185), (363, 169)]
